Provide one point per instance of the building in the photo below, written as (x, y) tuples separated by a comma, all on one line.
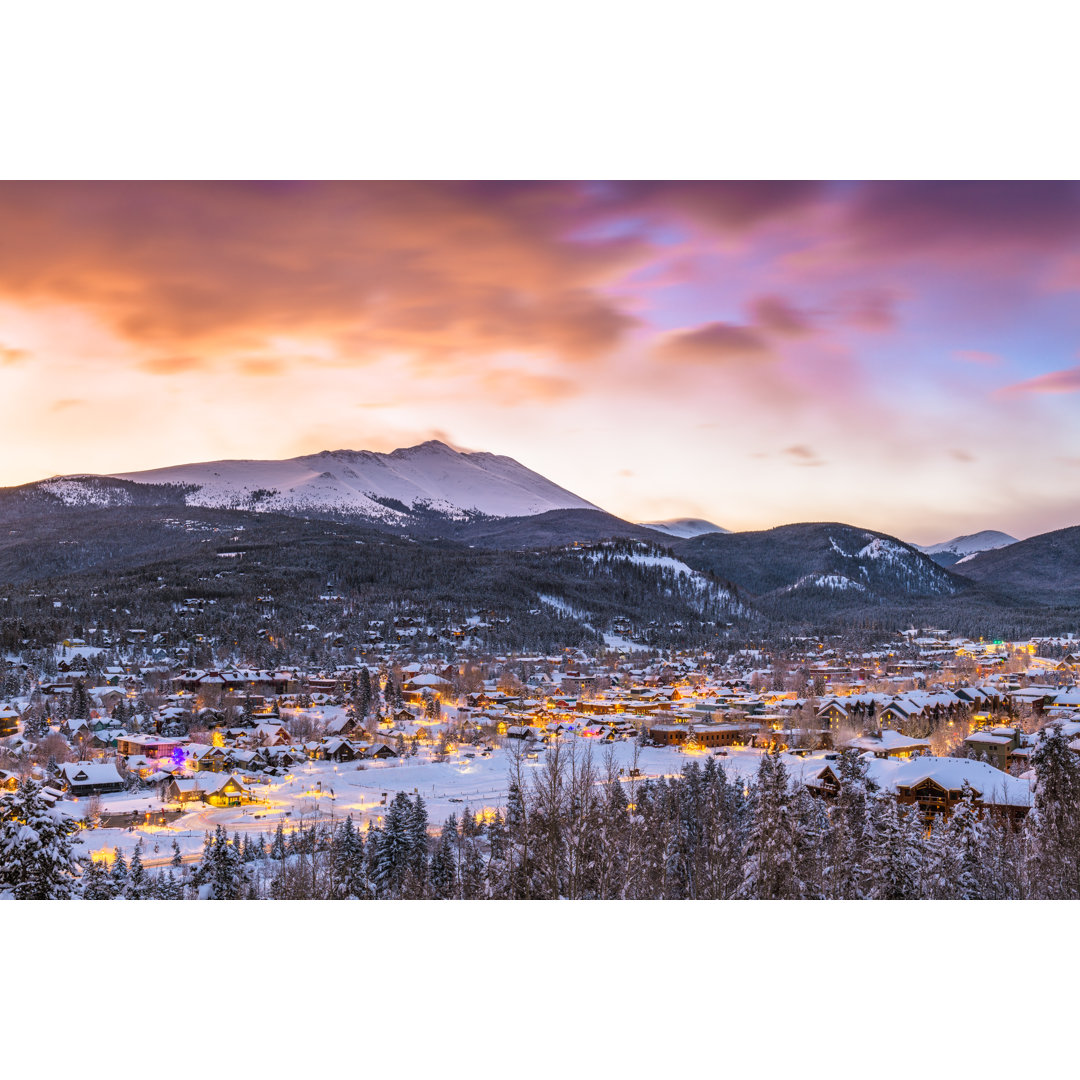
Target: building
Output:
[(723, 734), (212, 788), (151, 746), (85, 778)]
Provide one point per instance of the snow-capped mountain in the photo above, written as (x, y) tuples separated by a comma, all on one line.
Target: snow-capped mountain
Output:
[(393, 489), (950, 552), (683, 528)]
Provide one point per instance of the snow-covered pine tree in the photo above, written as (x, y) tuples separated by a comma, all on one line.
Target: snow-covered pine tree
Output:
[(119, 873), (95, 882), (1054, 825), (417, 864), (136, 886), (394, 849), (38, 860), (770, 872), (967, 837), (443, 868), (279, 848)]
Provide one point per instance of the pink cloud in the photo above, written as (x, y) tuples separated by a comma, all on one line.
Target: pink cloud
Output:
[(1066, 381), (977, 356)]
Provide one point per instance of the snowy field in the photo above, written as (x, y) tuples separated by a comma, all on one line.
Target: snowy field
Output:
[(323, 790)]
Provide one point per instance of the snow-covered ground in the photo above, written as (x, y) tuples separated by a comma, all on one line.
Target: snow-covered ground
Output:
[(324, 790)]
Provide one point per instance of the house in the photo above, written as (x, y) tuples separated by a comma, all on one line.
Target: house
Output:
[(210, 788), (722, 734), (272, 735), (151, 746), (890, 743), (84, 778), (936, 784), (380, 751), (206, 758), (832, 712), (337, 750), (996, 745), (9, 722)]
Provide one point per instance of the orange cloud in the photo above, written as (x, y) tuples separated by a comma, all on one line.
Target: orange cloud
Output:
[(522, 387), (9, 357), (428, 269), (173, 365)]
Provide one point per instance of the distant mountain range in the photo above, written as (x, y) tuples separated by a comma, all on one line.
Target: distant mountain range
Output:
[(959, 548), (683, 528), (442, 500)]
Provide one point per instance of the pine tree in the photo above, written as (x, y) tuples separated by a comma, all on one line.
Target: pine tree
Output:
[(119, 873), (177, 860), (278, 849), (348, 861), (394, 849), (135, 888), (967, 838), (443, 868), (95, 882), (418, 849), (1054, 825), (472, 872), (372, 843), (770, 866), (896, 863)]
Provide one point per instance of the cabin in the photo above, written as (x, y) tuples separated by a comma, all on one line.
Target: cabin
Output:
[(9, 722), (381, 751), (85, 778), (889, 743), (209, 788), (338, 750)]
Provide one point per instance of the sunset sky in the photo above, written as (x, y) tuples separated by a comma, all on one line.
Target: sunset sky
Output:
[(901, 356)]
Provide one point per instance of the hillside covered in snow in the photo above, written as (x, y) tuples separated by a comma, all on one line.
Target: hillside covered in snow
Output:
[(395, 489), (950, 552)]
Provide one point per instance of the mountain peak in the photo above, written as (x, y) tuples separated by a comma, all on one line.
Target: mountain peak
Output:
[(430, 480), (683, 528), (950, 552)]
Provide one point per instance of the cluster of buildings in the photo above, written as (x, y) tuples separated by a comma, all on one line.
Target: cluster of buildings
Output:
[(914, 707)]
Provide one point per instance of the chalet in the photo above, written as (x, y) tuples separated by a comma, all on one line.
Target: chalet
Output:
[(207, 758), (832, 712), (338, 750), (84, 778), (209, 788), (341, 725), (996, 745), (938, 784), (380, 751), (890, 744), (272, 735), (9, 722)]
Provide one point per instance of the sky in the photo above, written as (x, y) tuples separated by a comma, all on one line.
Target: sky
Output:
[(901, 356)]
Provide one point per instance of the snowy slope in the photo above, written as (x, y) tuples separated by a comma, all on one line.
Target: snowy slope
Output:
[(381, 487), (962, 546), (683, 528)]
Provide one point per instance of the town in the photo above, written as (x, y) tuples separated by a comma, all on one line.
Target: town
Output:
[(181, 782)]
